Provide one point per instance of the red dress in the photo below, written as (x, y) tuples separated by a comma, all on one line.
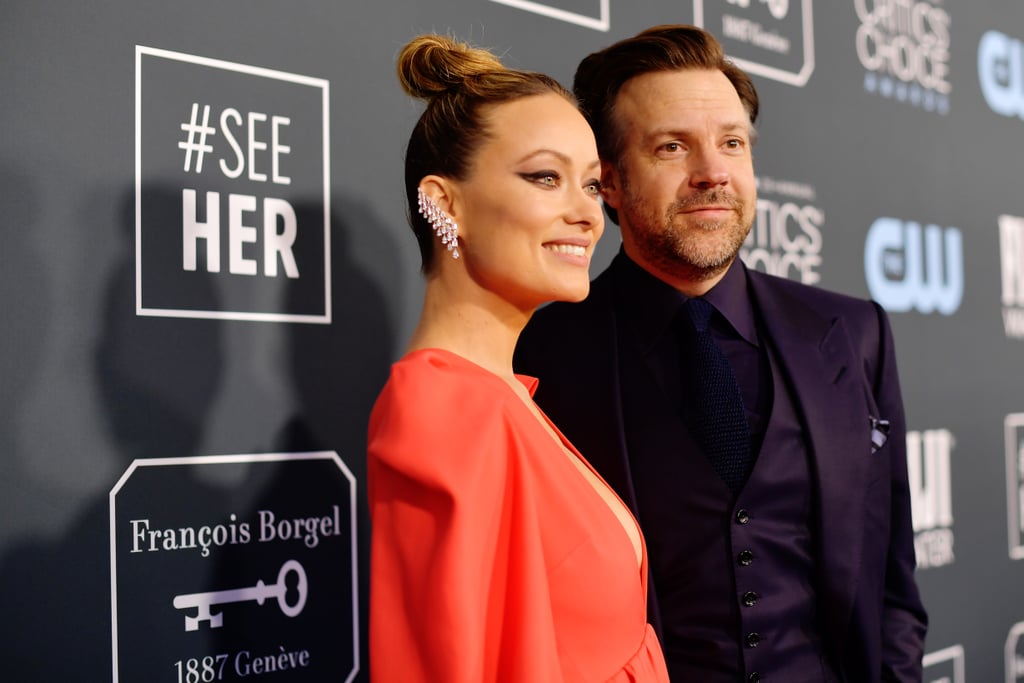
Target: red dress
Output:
[(492, 558)]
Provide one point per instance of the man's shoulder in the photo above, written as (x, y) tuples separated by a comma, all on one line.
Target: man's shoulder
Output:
[(827, 301)]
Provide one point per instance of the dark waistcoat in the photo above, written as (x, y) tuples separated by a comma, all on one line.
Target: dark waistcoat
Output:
[(734, 578)]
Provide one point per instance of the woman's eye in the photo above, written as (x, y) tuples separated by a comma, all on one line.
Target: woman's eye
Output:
[(593, 187), (545, 178)]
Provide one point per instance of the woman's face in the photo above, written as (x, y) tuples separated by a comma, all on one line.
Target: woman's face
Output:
[(529, 212)]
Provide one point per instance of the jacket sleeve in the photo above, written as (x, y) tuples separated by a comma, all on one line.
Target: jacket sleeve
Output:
[(439, 489), (904, 621)]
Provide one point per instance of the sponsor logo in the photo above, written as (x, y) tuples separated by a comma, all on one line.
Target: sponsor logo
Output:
[(786, 238), (1001, 73), (232, 191), (910, 267), (1014, 429), (1011, 246), (1015, 654), (593, 14), (903, 46), (770, 38), (944, 666), (215, 583), (931, 496)]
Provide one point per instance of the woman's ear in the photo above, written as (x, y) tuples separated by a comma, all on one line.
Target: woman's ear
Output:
[(445, 194), (441, 191)]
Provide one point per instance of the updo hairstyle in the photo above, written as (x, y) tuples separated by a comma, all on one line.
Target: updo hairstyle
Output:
[(459, 83)]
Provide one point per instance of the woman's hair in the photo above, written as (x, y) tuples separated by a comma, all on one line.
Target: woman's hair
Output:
[(459, 83)]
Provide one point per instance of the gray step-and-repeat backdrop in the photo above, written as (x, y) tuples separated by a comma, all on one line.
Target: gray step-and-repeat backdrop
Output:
[(206, 272)]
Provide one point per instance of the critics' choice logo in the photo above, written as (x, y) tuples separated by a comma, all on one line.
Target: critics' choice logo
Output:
[(1001, 73), (1011, 247), (232, 191), (903, 46), (1014, 428), (908, 266), (770, 38), (944, 666), (785, 239), (931, 495), (588, 13)]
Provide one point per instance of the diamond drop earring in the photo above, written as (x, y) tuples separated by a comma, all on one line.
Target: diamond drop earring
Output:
[(442, 223)]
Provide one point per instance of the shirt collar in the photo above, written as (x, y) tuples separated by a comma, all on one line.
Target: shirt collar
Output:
[(651, 304), (730, 296)]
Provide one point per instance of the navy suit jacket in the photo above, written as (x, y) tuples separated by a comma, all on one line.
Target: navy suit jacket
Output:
[(838, 354)]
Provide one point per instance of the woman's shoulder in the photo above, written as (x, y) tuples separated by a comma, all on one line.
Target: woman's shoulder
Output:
[(436, 374), (439, 403)]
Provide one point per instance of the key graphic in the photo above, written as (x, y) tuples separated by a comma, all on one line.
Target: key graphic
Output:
[(203, 602)]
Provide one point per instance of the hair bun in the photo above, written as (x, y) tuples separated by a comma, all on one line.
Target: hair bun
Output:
[(430, 65)]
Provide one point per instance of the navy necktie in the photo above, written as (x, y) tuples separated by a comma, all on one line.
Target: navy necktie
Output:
[(714, 404)]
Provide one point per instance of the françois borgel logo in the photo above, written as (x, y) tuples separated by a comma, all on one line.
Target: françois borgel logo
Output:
[(910, 267), (215, 581), (903, 46), (786, 238), (1001, 73), (1011, 246), (232, 191), (770, 38), (1014, 428), (931, 495)]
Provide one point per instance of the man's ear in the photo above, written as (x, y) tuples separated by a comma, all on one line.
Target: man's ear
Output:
[(611, 185)]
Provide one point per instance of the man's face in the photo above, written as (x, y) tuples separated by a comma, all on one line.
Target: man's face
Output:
[(684, 183)]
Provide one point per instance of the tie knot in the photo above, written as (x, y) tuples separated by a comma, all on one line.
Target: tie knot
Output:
[(700, 312)]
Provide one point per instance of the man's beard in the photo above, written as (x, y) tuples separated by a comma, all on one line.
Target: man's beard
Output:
[(683, 247)]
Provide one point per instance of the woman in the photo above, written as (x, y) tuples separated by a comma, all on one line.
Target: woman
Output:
[(498, 554)]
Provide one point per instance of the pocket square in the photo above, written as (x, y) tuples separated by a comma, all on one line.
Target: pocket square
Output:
[(879, 432)]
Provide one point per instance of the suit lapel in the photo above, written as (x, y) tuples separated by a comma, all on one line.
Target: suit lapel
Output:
[(818, 361)]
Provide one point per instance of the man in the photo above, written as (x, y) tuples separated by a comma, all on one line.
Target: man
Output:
[(791, 557)]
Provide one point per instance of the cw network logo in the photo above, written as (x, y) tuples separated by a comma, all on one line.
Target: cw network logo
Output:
[(904, 47), (910, 267), (944, 666), (1011, 246), (1013, 427), (1001, 73), (931, 495), (770, 38), (551, 8)]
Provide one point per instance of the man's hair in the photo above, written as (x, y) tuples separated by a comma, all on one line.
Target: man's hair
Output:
[(670, 47)]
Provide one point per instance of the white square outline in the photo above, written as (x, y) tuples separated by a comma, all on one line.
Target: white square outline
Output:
[(1016, 631), (798, 79), (603, 23), (1013, 484), (954, 653), (141, 50), (220, 460)]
